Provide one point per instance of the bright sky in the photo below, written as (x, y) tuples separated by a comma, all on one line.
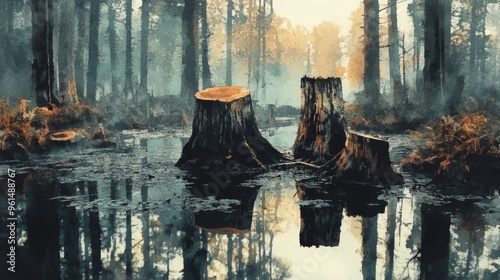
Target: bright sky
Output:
[(313, 12)]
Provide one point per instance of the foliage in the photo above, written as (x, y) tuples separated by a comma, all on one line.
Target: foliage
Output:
[(455, 145)]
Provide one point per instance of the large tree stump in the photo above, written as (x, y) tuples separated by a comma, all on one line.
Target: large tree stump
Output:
[(364, 159), (225, 133), (322, 126)]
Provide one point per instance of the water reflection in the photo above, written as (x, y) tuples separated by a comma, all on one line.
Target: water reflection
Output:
[(259, 228)]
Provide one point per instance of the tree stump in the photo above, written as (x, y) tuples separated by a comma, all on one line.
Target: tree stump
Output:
[(225, 132), (322, 126), (364, 159)]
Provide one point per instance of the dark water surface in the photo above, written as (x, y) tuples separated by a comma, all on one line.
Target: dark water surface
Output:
[(130, 214)]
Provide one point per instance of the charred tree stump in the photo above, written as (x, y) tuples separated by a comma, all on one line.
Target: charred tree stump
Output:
[(364, 159), (225, 133), (322, 126)]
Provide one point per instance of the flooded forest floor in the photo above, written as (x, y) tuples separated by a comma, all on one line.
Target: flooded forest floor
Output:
[(127, 212)]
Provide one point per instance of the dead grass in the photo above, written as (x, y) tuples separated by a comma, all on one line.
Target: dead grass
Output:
[(453, 144), (29, 128)]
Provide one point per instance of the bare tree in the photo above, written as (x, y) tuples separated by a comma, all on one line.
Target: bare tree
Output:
[(42, 47), (144, 45), (206, 74), (189, 76), (437, 43), (66, 53), (128, 48), (394, 64), (112, 47), (79, 63), (371, 76), (93, 50), (229, 41)]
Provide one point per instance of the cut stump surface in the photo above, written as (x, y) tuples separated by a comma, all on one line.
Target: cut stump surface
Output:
[(225, 132)]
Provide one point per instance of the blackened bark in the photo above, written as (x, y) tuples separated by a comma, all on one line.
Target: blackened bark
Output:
[(394, 64), (264, 25), (79, 63), (66, 52), (229, 42), (128, 48), (225, 132), (322, 127), (93, 51), (42, 47), (189, 76), (474, 22), (144, 45), (371, 78), (6, 52), (112, 47), (258, 51), (415, 9), (206, 74), (437, 34)]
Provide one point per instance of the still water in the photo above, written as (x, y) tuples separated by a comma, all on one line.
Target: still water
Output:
[(130, 214)]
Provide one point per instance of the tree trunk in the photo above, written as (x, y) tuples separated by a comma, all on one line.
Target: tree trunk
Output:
[(7, 59), (229, 42), (371, 78), (43, 60), (79, 62), (258, 52), (93, 50), (365, 159), (394, 64), (225, 133), (264, 52), (206, 74), (416, 11), (189, 79), (474, 22), (322, 127), (436, 48), (128, 49), (66, 53), (144, 46), (112, 47)]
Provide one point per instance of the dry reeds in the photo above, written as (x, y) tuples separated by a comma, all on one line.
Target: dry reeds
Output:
[(452, 144)]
